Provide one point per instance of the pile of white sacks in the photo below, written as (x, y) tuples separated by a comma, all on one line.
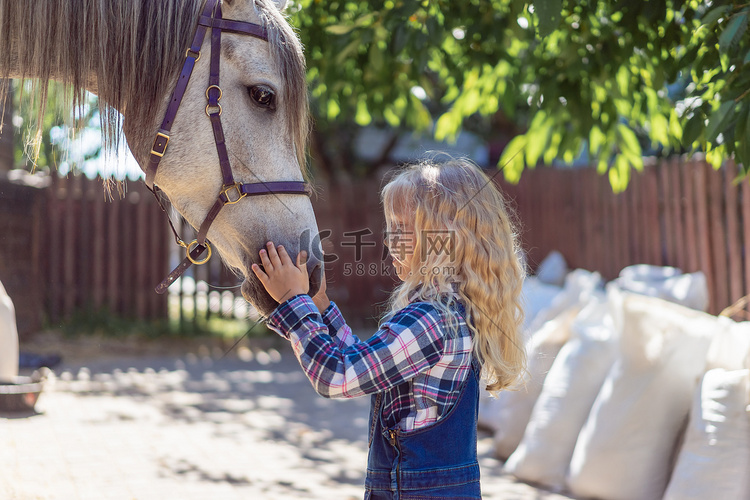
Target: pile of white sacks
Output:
[(632, 392)]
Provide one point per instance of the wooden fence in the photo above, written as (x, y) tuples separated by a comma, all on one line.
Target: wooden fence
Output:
[(87, 253), (109, 254), (676, 213), (22, 210), (101, 254)]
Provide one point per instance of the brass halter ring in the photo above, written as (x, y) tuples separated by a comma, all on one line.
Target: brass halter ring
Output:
[(217, 105), (209, 106), (190, 246), (217, 88)]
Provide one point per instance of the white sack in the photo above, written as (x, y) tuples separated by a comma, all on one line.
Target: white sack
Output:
[(553, 269), (730, 346), (623, 451), (569, 391), (647, 272), (509, 413), (715, 458), (536, 296), (668, 283), (580, 286), (8, 338)]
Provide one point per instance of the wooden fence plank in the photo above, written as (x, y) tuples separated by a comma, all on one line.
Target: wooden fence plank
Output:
[(745, 190), (665, 208), (736, 288), (54, 245), (608, 223), (98, 256), (113, 257), (69, 239), (654, 239), (619, 229), (703, 231), (718, 240), (590, 231), (635, 219), (675, 201), (692, 250), (141, 254)]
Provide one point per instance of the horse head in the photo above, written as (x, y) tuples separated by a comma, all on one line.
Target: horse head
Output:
[(264, 114)]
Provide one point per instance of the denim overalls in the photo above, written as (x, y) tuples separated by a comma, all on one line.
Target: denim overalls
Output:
[(438, 461)]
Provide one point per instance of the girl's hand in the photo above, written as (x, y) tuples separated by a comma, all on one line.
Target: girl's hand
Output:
[(280, 276)]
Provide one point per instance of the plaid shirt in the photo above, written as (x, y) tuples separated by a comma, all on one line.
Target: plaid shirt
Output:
[(413, 346)]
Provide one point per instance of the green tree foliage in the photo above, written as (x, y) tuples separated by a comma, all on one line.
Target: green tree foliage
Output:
[(613, 77)]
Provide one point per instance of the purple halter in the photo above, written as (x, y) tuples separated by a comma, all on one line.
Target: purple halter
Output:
[(231, 191)]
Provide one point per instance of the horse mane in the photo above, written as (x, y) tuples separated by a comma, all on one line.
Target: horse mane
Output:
[(134, 49)]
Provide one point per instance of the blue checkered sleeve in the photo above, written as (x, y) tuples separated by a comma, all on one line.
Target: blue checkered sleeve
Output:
[(341, 365)]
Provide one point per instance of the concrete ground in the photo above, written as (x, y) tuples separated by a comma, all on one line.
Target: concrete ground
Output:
[(194, 426)]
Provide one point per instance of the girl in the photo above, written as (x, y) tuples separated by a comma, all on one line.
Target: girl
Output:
[(455, 315)]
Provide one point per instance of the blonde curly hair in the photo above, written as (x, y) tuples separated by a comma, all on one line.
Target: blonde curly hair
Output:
[(465, 244)]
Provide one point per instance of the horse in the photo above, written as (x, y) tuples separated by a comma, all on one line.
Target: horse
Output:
[(130, 53)]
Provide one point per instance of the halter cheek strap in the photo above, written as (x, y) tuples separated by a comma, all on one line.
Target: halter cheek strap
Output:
[(231, 191)]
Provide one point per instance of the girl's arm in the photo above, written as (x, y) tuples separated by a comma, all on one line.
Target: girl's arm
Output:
[(332, 318), (411, 342), (337, 327)]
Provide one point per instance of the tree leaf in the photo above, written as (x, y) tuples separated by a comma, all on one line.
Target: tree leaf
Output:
[(692, 129), (659, 130), (596, 139), (511, 160), (340, 29), (553, 147), (716, 156), (447, 126), (742, 152), (362, 117), (675, 128), (602, 165), (741, 126), (537, 137), (719, 119), (548, 13), (733, 32), (333, 109), (628, 141), (619, 174), (714, 15)]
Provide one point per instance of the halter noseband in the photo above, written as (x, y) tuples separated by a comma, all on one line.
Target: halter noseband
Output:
[(231, 191)]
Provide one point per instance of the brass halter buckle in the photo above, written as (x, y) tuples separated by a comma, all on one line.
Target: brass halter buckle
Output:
[(190, 246), (191, 53), (232, 188), (160, 144)]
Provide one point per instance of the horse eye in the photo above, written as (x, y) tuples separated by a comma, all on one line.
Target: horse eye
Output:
[(263, 96)]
